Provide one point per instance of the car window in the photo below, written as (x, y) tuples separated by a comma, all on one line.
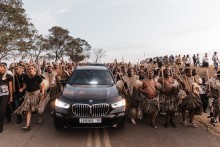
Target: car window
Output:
[(91, 77)]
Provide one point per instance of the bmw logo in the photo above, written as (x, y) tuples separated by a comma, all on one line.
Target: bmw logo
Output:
[(90, 101)]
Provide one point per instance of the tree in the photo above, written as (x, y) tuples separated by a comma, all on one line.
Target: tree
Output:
[(61, 44), (26, 48), (98, 53), (74, 50), (58, 40), (15, 28), (85, 46), (40, 47), (78, 49)]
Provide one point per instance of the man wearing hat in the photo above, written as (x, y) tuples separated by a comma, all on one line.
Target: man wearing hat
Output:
[(5, 92), (215, 61)]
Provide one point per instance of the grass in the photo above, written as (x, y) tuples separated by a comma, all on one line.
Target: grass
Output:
[(202, 72)]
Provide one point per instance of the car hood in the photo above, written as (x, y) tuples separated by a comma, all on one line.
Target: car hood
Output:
[(96, 93)]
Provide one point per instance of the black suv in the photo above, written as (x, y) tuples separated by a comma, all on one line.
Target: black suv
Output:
[(90, 99)]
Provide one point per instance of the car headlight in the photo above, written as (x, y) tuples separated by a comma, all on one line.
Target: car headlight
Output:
[(121, 103), (61, 104)]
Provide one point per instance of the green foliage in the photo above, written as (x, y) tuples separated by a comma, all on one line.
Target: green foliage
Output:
[(39, 47), (74, 51), (58, 40), (60, 43), (15, 28), (18, 37)]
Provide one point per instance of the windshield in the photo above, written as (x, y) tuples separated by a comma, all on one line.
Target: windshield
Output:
[(91, 77)]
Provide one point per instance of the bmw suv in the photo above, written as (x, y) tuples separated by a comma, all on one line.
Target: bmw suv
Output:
[(90, 99)]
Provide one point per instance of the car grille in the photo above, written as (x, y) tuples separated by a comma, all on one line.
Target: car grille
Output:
[(93, 110)]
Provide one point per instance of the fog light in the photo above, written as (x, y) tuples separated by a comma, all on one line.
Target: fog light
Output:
[(115, 125)]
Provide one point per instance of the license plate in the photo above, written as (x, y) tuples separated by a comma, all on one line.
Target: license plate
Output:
[(90, 120)]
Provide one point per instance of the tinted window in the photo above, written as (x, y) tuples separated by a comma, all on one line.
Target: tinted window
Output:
[(91, 77)]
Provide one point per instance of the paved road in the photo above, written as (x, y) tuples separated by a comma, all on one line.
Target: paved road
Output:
[(45, 135)]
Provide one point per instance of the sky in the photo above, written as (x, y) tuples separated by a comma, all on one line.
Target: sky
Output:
[(134, 29)]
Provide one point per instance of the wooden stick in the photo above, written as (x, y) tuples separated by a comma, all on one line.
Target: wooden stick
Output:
[(13, 72), (207, 73), (162, 75)]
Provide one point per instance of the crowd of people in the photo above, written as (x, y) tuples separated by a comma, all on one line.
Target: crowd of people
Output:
[(168, 86), (186, 60), (161, 85), (26, 88)]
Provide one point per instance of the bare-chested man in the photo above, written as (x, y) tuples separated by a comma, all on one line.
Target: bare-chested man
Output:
[(131, 94), (150, 104), (192, 102), (169, 98)]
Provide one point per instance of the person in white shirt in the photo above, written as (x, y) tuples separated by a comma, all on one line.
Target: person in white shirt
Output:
[(205, 61), (215, 61), (188, 61)]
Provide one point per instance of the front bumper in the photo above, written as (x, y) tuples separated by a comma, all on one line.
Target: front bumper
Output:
[(65, 117)]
